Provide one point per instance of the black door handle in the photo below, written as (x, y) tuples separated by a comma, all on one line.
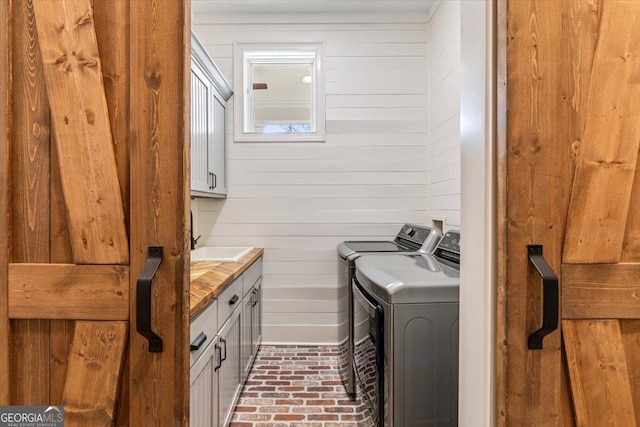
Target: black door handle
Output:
[(143, 299), (197, 343), (549, 297), (234, 299)]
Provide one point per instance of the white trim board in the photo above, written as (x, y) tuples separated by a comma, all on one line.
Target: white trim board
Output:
[(477, 396)]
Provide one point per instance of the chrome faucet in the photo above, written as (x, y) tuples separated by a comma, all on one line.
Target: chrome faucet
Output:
[(194, 241)]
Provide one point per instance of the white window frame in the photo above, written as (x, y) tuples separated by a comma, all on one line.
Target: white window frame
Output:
[(274, 52)]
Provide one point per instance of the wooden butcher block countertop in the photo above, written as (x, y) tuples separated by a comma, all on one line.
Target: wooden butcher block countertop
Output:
[(209, 278)]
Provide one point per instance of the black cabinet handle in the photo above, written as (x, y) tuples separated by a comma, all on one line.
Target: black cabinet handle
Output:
[(218, 350), (143, 299), (197, 343), (254, 297), (223, 358), (212, 176), (234, 299), (549, 297)]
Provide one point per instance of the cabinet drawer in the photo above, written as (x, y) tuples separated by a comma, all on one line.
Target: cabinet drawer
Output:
[(251, 275), (229, 299), (206, 322)]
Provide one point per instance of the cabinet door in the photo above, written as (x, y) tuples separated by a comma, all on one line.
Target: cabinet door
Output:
[(220, 175), (201, 130), (229, 383), (203, 402), (247, 330), (256, 318)]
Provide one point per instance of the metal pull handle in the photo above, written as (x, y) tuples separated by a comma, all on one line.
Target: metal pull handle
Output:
[(143, 299), (254, 297), (234, 299), (549, 297), (218, 350), (197, 343), (212, 176), (372, 305), (215, 181), (223, 358)]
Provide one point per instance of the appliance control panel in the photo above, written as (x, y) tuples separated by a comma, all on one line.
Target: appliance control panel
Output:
[(450, 242), (414, 233)]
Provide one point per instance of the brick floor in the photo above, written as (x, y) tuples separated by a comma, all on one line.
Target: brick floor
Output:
[(296, 386)]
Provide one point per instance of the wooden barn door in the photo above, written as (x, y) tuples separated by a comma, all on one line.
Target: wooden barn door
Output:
[(93, 187), (572, 185)]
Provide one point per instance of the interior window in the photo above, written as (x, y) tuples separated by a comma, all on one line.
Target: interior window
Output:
[(279, 92)]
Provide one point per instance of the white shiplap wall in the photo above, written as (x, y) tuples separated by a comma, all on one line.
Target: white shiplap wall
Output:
[(444, 113), (299, 200)]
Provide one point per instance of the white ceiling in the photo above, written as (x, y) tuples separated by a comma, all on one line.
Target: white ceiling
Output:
[(216, 10)]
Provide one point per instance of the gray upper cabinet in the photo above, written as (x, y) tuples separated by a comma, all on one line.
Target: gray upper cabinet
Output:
[(209, 95)]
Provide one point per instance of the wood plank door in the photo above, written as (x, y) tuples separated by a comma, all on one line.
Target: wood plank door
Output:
[(571, 183), (93, 180)]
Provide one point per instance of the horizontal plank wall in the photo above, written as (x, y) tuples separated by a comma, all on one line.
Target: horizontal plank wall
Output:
[(299, 200), (444, 114)]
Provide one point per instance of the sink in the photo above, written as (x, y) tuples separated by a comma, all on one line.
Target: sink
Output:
[(220, 254)]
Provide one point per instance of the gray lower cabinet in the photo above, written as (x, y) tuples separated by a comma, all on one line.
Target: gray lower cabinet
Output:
[(229, 380), (247, 347), (252, 320), (204, 385), (256, 317), (220, 361)]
